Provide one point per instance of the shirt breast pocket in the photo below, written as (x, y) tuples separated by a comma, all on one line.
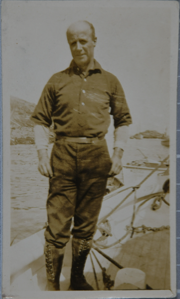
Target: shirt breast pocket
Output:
[(98, 97)]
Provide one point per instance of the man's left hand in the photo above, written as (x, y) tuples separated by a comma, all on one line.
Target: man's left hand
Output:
[(116, 162)]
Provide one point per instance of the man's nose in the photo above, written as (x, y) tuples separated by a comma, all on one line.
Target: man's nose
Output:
[(78, 46)]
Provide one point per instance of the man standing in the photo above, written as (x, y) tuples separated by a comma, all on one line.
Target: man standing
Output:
[(78, 101)]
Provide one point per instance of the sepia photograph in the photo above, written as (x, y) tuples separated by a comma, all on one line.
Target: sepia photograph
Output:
[(89, 148)]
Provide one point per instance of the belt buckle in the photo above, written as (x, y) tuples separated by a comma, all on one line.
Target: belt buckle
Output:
[(88, 140), (83, 139)]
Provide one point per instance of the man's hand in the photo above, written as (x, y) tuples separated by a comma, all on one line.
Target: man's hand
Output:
[(116, 162), (44, 166)]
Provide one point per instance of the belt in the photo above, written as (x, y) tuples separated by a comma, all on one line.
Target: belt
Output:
[(80, 139)]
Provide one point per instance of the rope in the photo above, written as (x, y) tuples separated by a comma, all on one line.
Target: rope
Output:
[(167, 203), (144, 229), (146, 198), (97, 260), (111, 245), (108, 283), (108, 258), (134, 189), (134, 208), (156, 203), (95, 276), (115, 192)]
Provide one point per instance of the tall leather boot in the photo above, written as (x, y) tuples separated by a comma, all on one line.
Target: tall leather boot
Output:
[(80, 250), (54, 259)]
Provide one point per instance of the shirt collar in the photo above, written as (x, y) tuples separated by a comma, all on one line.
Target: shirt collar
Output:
[(96, 67)]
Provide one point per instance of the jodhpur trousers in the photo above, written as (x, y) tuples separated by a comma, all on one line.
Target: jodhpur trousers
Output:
[(76, 190)]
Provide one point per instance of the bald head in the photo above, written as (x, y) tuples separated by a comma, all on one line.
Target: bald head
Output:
[(81, 25), (82, 40)]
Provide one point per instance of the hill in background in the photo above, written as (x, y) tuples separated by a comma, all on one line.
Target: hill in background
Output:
[(149, 134), (21, 124)]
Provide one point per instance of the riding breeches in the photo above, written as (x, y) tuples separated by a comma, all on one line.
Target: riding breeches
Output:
[(76, 190)]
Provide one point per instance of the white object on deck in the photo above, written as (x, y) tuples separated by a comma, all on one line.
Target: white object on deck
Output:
[(132, 276)]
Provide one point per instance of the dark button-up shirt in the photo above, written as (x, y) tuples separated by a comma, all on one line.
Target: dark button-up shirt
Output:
[(79, 105)]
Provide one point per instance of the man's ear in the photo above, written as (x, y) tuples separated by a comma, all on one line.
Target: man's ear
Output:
[(94, 41)]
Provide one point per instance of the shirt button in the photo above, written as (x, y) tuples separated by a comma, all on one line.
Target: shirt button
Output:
[(83, 91), (85, 79), (83, 104)]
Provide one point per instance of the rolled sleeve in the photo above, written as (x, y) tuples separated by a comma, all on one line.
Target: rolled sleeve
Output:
[(43, 110), (41, 137), (121, 135), (119, 107)]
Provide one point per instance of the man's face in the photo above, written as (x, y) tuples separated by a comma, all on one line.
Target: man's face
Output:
[(81, 44)]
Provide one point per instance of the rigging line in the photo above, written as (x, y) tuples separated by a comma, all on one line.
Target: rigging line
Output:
[(163, 199), (142, 203), (113, 210), (94, 271), (135, 213), (129, 194), (134, 208), (149, 196), (123, 237), (142, 153), (115, 192), (158, 166), (111, 245), (108, 258), (108, 283), (145, 198), (97, 260)]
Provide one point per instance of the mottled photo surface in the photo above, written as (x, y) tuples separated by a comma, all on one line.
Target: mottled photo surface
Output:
[(89, 145)]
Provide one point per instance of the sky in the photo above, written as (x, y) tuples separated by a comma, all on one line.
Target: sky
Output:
[(133, 43)]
